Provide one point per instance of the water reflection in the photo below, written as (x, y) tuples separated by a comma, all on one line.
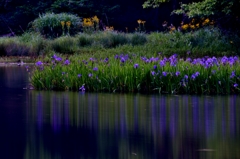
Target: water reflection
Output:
[(85, 125), (69, 125)]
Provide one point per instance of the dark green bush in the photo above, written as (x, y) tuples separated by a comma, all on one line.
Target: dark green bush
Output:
[(113, 39), (84, 40), (65, 44)]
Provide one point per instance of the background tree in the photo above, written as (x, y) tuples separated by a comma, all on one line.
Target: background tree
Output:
[(224, 12)]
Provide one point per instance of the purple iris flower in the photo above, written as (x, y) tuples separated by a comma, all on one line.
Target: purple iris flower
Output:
[(197, 74), (116, 56), (91, 59), (173, 60), (106, 60), (177, 73), (231, 61), (79, 75), (66, 62), (57, 58), (213, 71), (224, 60), (144, 59), (235, 85), (136, 66), (39, 63), (189, 59), (90, 75), (155, 67), (153, 73), (95, 69), (193, 76), (162, 63), (233, 74), (82, 88), (122, 60), (164, 73), (186, 76)]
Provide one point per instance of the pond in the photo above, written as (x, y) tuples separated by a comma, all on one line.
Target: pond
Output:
[(80, 125)]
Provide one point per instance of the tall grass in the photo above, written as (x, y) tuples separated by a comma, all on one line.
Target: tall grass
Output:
[(29, 44), (200, 43)]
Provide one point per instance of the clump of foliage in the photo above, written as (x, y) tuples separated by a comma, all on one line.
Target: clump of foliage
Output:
[(53, 25)]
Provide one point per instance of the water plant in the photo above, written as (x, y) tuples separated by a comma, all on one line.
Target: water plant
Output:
[(132, 73)]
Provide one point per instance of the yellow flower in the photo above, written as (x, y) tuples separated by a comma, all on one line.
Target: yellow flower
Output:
[(139, 21), (87, 22), (95, 19), (68, 23), (143, 22), (110, 28), (197, 25), (62, 23), (185, 26), (192, 26), (207, 20)]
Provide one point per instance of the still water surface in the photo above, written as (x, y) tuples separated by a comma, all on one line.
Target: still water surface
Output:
[(76, 125)]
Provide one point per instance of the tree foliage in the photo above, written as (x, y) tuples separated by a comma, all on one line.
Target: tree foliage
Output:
[(153, 3), (208, 8)]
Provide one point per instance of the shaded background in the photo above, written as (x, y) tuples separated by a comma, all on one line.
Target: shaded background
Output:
[(15, 15)]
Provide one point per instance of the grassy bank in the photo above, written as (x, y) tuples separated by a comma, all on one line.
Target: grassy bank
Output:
[(200, 62)]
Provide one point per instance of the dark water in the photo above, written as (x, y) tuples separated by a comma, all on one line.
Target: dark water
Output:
[(75, 125)]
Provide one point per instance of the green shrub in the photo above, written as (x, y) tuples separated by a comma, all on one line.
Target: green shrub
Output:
[(54, 25), (138, 39), (64, 44)]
